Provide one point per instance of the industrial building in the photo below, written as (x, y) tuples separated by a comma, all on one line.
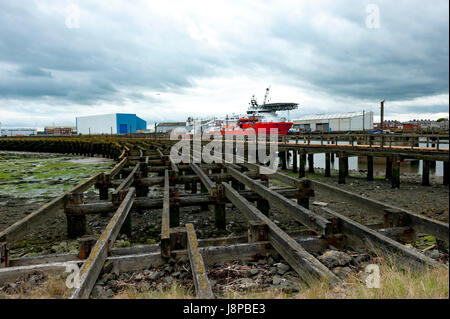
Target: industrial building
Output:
[(117, 123), (354, 121), (18, 131), (60, 130), (169, 126)]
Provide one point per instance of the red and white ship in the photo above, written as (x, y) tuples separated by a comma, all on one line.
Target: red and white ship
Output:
[(260, 119)]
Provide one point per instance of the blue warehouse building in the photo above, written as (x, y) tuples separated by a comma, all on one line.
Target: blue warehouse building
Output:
[(117, 123)]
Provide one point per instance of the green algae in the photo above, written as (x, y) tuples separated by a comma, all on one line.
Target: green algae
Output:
[(40, 176)]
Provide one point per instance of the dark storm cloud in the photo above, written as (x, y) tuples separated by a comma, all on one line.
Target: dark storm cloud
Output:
[(407, 57), (91, 63), (115, 56)]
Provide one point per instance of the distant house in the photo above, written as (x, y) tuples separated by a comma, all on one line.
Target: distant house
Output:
[(424, 124), (167, 127), (60, 130), (117, 123)]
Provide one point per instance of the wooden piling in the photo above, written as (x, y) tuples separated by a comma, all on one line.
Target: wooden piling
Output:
[(341, 169), (283, 157), (257, 231), (86, 244), (370, 168), (388, 174), (305, 191), (395, 180), (263, 206), (327, 165), (310, 163), (219, 216), (425, 173), (301, 171), (76, 224), (4, 255), (294, 161), (346, 165)]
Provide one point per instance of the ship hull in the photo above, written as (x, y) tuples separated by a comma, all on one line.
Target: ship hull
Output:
[(281, 128)]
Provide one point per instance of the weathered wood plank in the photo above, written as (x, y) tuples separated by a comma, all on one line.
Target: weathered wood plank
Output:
[(93, 265), (420, 223), (165, 221), (299, 213), (300, 260), (202, 285), (357, 234), (127, 181)]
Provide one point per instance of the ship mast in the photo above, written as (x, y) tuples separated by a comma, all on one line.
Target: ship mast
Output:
[(266, 96)]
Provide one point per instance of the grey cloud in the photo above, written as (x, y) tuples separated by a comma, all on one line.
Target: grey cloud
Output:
[(114, 57)]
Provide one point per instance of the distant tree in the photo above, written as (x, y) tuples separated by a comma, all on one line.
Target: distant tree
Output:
[(442, 119)]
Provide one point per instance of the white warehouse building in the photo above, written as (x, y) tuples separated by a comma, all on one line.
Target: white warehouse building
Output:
[(117, 123), (354, 121)]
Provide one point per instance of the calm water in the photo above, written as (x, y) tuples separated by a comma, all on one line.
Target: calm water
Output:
[(408, 166)]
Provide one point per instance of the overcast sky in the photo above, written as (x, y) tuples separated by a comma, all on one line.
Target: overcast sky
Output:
[(167, 60)]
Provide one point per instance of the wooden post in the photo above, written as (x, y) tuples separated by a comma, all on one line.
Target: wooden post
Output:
[(370, 168), (76, 223), (346, 165), (187, 185), (394, 218), (178, 238), (311, 163), (341, 169), (305, 191), (426, 173), (203, 190), (263, 206), (257, 231), (194, 187), (141, 190), (294, 161), (301, 171), (327, 165), (283, 160), (388, 167), (174, 211), (446, 172), (219, 215), (102, 185), (4, 255), (395, 182), (86, 244)]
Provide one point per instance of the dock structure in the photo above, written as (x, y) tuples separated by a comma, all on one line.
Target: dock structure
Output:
[(146, 162)]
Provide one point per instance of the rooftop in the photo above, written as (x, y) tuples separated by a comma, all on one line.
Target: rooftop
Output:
[(332, 116)]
